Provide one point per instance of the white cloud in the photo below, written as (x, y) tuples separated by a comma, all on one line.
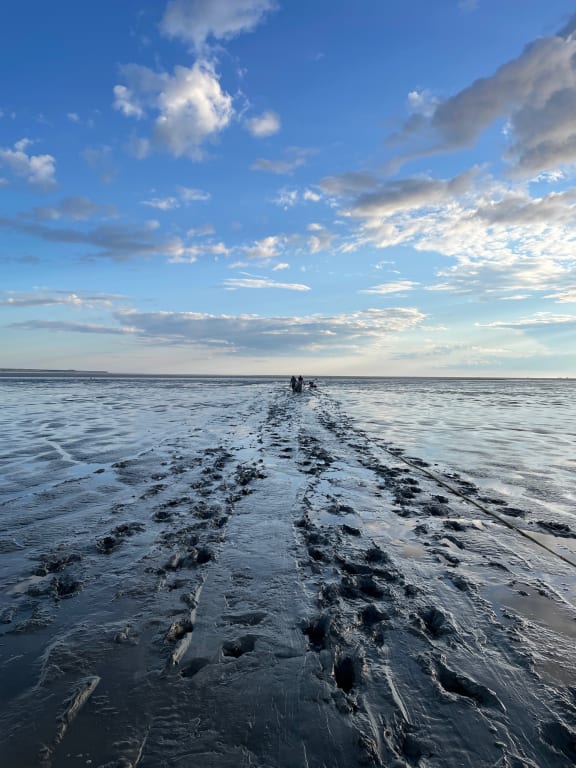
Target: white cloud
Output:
[(537, 320), (46, 298), (232, 284), (564, 296), (186, 195), (287, 197), (326, 335), (196, 21), (321, 240), (188, 254), (281, 265), (264, 249), (422, 102), (190, 106), (74, 117), (535, 93), (191, 194), (397, 287), (36, 170), (266, 124)]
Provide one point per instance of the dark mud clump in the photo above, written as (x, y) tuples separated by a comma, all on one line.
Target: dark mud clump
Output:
[(65, 586), (240, 646), (435, 622), (56, 564), (558, 529)]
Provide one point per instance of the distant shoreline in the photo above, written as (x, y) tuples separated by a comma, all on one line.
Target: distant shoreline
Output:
[(75, 373)]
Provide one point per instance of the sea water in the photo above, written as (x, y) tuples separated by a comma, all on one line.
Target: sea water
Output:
[(512, 437)]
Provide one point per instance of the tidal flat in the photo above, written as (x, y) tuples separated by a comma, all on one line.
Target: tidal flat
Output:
[(221, 573)]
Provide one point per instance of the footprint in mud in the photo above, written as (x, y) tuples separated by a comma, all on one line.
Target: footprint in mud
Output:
[(460, 582), (434, 622), (560, 737), (249, 619), (348, 670), (117, 535), (240, 646), (460, 685), (65, 586), (371, 615), (349, 530), (194, 667), (557, 529), (317, 631), (55, 564)]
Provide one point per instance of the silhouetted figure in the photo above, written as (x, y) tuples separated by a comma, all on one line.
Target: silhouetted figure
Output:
[(299, 384), (293, 383)]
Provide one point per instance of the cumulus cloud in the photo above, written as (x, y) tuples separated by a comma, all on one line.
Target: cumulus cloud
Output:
[(76, 208), (288, 197), (499, 238), (189, 106), (396, 287), (37, 170), (196, 21), (535, 92), (321, 240), (232, 284), (266, 124), (264, 249), (188, 254)]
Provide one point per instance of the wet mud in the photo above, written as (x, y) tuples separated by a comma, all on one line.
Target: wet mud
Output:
[(269, 587)]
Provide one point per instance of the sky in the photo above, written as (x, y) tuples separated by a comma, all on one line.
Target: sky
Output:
[(376, 187)]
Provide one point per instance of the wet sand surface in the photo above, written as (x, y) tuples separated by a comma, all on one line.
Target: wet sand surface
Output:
[(267, 586)]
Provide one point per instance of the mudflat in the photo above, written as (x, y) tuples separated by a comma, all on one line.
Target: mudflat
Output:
[(267, 586)]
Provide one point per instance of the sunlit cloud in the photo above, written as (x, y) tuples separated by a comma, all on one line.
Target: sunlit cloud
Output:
[(400, 286), (189, 106), (197, 21), (266, 124), (36, 170), (233, 284)]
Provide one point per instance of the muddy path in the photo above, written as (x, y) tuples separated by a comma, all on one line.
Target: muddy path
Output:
[(271, 588)]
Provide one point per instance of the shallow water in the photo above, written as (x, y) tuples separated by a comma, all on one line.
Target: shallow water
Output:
[(513, 438)]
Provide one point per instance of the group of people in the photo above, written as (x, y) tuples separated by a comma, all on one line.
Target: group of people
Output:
[(297, 384)]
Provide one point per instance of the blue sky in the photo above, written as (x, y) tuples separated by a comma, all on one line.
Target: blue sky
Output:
[(263, 186)]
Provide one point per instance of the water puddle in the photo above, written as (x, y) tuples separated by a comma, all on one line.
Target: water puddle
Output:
[(530, 603)]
